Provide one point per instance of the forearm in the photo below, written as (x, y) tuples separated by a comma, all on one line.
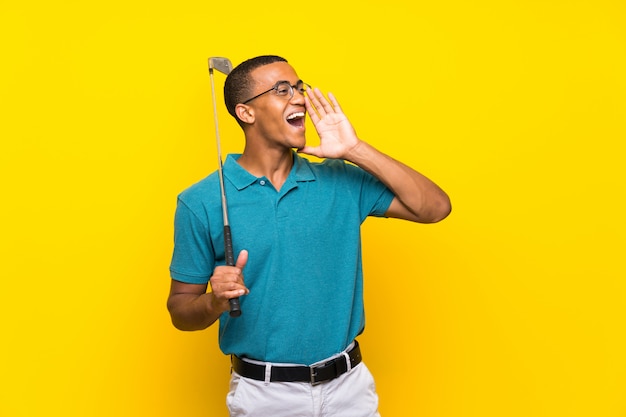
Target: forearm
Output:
[(192, 311), (423, 200)]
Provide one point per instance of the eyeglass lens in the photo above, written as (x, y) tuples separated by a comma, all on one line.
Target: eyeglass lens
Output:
[(284, 88)]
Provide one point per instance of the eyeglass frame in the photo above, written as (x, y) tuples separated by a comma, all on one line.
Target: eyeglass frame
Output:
[(292, 89)]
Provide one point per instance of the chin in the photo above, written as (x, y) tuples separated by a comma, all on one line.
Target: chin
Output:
[(298, 143)]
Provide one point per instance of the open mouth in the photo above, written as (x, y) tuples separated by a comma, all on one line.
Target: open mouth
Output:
[(296, 119)]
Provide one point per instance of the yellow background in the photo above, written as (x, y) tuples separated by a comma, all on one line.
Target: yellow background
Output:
[(513, 306)]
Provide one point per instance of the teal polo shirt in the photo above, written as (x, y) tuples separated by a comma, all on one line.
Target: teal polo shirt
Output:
[(304, 269)]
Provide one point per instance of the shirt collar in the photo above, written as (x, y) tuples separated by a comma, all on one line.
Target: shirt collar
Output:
[(240, 178)]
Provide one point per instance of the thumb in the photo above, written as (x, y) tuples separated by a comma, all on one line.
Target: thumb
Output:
[(242, 259), (311, 150)]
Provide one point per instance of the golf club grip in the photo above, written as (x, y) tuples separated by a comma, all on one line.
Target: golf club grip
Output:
[(235, 309)]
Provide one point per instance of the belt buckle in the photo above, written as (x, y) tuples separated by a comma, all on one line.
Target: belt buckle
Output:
[(313, 371)]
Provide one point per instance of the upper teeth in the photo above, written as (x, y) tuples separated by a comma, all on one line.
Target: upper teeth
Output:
[(294, 115)]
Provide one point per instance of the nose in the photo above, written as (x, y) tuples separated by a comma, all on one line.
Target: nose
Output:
[(297, 97)]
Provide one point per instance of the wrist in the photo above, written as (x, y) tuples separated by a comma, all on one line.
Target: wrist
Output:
[(359, 153), (214, 306)]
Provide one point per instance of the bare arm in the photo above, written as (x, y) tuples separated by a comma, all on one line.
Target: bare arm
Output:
[(191, 307), (416, 197)]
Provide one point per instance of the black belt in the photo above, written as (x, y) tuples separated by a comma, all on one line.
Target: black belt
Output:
[(313, 374)]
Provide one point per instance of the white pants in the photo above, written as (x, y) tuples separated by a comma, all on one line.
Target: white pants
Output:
[(353, 394)]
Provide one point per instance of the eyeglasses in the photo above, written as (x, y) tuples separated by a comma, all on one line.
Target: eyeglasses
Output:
[(284, 89)]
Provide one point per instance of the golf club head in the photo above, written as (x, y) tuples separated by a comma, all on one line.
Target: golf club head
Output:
[(223, 65)]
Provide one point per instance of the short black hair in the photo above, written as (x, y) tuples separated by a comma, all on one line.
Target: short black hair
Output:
[(238, 83)]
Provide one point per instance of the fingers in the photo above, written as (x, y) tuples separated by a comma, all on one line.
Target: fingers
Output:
[(315, 95), (334, 102), (320, 104), (311, 111), (227, 281)]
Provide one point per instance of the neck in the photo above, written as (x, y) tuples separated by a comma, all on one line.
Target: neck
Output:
[(271, 163)]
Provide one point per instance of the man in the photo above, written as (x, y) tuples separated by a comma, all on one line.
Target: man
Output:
[(296, 230)]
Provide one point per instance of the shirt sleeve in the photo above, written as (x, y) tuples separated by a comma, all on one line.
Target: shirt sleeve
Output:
[(193, 259), (381, 197), (374, 196)]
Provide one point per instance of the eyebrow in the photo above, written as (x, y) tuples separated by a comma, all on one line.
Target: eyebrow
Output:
[(288, 82)]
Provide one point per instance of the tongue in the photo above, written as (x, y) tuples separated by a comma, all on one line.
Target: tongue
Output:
[(296, 122)]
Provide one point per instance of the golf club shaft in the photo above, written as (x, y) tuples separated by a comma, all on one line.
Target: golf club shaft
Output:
[(229, 256)]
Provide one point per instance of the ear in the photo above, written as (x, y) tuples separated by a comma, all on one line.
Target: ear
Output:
[(245, 113)]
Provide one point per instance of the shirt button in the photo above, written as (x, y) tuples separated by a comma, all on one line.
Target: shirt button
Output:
[(262, 182)]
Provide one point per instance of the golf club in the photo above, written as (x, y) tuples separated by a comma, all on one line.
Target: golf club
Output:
[(224, 66)]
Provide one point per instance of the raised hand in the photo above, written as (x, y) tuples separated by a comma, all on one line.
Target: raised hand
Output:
[(337, 136)]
